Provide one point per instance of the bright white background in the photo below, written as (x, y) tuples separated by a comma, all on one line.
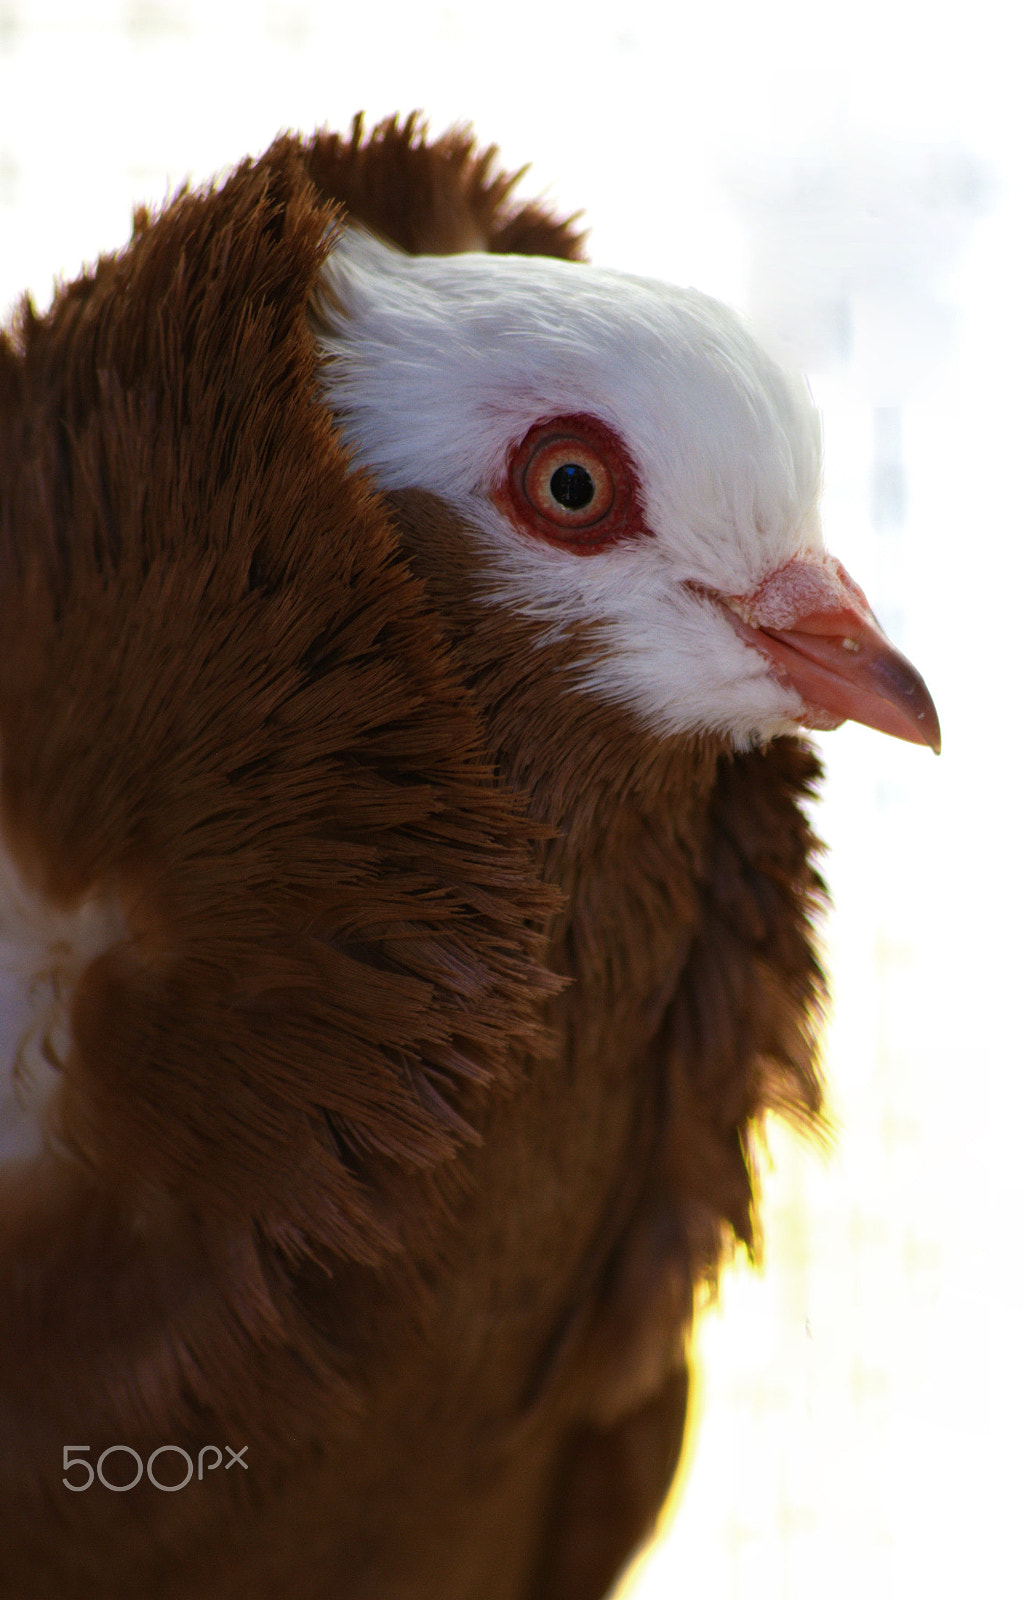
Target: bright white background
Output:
[(851, 177)]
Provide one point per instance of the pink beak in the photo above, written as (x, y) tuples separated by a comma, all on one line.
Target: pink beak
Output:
[(813, 624)]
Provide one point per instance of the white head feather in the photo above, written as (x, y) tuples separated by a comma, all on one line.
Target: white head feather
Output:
[(438, 366)]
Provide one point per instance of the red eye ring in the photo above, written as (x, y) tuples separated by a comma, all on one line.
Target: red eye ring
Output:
[(571, 482)]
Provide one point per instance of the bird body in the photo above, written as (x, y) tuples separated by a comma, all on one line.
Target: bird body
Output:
[(409, 903)]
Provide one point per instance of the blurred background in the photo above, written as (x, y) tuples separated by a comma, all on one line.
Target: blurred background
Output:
[(850, 177)]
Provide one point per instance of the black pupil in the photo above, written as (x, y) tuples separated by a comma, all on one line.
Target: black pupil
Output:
[(572, 486)]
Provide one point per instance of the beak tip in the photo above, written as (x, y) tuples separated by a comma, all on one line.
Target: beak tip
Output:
[(930, 729)]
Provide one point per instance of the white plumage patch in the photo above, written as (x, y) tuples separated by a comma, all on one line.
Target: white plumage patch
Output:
[(43, 953), (438, 366)]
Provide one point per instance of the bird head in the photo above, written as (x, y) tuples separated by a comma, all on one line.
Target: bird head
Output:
[(630, 464)]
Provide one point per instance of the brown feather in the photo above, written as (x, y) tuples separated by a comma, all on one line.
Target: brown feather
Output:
[(433, 197), (397, 1134)]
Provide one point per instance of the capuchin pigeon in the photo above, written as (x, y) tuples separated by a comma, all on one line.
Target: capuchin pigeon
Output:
[(407, 904)]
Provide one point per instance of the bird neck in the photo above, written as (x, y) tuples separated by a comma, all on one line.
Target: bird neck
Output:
[(680, 863)]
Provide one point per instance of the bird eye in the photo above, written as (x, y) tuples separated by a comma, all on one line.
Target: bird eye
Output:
[(567, 481), (570, 482)]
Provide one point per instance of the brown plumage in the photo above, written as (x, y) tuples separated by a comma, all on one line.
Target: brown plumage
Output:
[(416, 1092)]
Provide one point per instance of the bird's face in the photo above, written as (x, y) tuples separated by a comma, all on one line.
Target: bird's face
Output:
[(629, 460)]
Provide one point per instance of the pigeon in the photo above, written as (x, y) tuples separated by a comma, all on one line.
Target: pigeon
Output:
[(408, 904)]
